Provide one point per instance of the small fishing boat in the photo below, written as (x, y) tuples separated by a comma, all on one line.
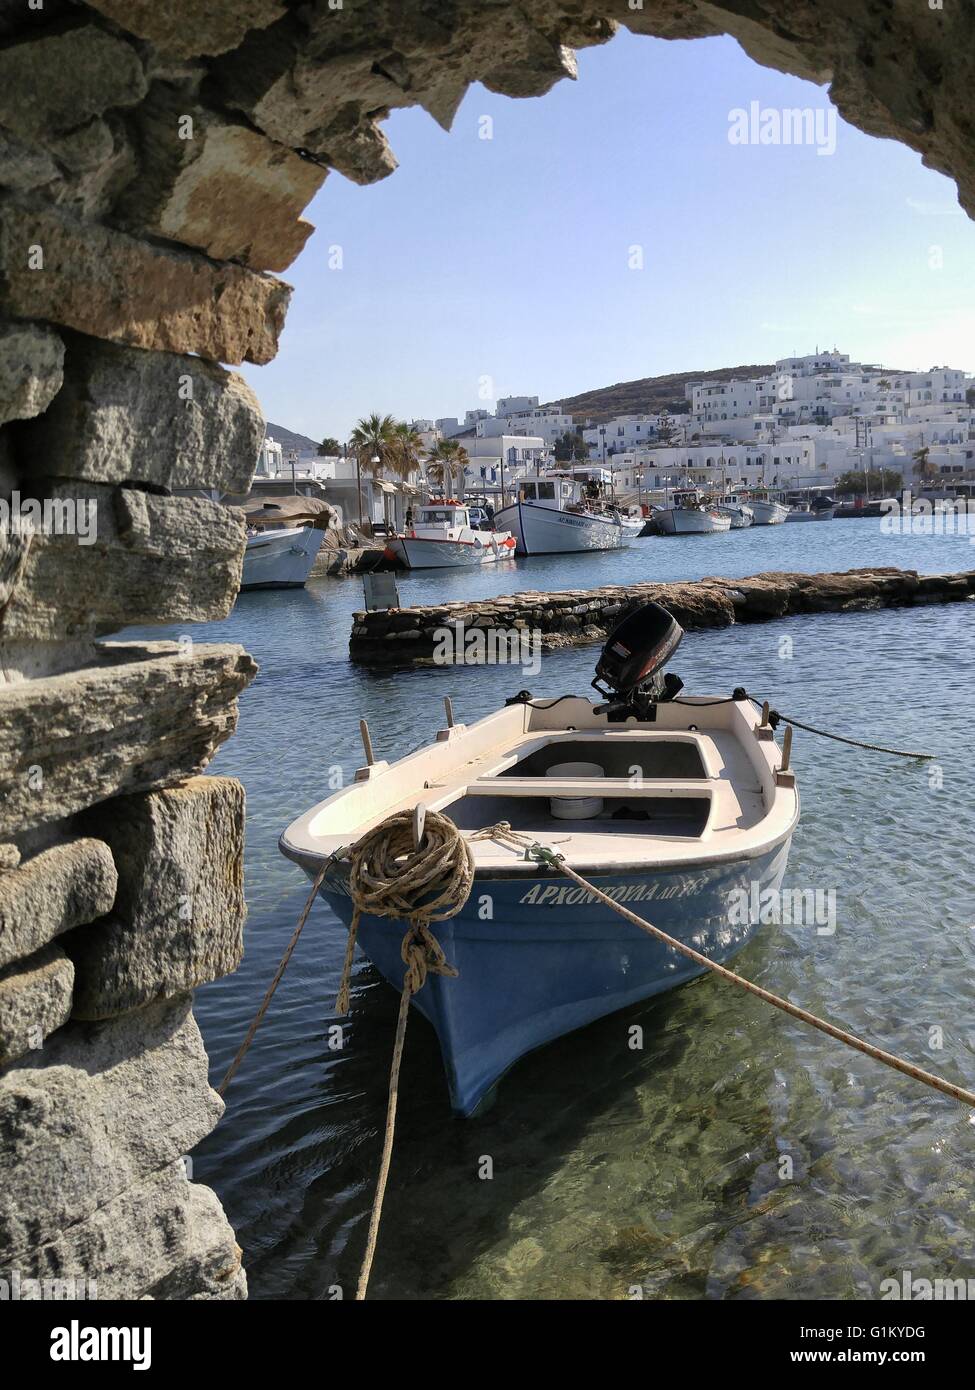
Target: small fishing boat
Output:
[(692, 514), (738, 509), (765, 510), (442, 537), (280, 558), (681, 808), (284, 536), (809, 505), (556, 516)]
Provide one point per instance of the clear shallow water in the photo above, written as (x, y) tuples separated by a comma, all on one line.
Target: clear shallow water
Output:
[(615, 1168)]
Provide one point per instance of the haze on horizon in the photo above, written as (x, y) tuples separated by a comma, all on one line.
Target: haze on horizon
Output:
[(490, 267)]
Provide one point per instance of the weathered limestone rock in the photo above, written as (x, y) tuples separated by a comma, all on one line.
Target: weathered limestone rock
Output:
[(53, 891), (186, 29), (179, 914), (35, 998), (25, 165), (164, 1237), (31, 362), (150, 417), (138, 718), (95, 1113), (103, 282), (124, 557), (56, 82), (222, 187)]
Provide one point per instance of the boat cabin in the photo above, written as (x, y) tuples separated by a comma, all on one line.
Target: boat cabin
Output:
[(441, 519), (558, 493)]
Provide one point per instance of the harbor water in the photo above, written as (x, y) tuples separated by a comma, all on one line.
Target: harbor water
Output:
[(736, 1153)]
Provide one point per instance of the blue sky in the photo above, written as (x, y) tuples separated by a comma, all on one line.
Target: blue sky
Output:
[(491, 267)]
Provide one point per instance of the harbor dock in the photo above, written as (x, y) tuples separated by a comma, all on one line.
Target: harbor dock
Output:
[(573, 617)]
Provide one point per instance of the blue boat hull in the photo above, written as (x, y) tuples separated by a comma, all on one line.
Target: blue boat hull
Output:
[(538, 958)]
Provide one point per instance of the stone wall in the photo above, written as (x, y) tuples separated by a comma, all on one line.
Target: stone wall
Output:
[(422, 636), (155, 158)]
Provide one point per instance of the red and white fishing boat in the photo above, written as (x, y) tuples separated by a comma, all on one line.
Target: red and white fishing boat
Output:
[(442, 536)]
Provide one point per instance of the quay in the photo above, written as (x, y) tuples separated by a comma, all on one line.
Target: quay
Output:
[(573, 617)]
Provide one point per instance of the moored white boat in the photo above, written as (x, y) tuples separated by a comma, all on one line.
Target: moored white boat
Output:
[(442, 537), (552, 517), (766, 511), (691, 514), (691, 840), (280, 557), (738, 509)]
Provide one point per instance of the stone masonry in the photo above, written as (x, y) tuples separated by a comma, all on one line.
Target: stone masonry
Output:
[(155, 159)]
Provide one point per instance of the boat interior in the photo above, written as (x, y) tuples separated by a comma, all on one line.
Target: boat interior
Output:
[(702, 782), (644, 778)]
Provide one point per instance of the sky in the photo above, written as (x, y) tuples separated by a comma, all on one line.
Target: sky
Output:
[(612, 230)]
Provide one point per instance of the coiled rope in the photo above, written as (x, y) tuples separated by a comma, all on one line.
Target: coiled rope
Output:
[(392, 876)]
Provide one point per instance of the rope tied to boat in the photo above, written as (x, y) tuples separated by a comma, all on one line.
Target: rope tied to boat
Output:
[(391, 874)]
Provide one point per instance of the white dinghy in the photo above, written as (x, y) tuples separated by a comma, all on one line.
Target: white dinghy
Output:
[(681, 808)]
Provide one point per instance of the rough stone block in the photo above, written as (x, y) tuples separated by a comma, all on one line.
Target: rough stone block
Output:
[(55, 82), (57, 889), (137, 718), (110, 285), (184, 28), (162, 1238), (31, 361), (228, 189), (154, 417), (126, 557), (179, 914), (35, 998), (101, 1108)]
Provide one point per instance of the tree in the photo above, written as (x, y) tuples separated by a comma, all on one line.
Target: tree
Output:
[(570, 446), (970, 396), (883, 384), (329, 447), (375, 443), (445, 461), (923, 467), (409, 445), (878, 482), (665, 430)]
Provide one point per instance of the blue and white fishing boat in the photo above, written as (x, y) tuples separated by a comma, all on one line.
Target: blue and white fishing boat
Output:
[(678, 807)]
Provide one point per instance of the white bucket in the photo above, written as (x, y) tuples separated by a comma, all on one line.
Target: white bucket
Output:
[(576, 807)]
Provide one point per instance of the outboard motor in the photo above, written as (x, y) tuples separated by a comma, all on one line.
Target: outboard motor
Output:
[(630, 672)]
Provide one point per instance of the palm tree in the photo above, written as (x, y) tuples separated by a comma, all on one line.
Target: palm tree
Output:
[(883, 384), (446, 460), (409, 446), (329, 447), (375, 446)]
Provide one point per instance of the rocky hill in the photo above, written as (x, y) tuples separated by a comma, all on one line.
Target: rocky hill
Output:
[(648, 394)]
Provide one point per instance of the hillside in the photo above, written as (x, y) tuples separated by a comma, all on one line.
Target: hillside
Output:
[(289, 440), (648, 395)]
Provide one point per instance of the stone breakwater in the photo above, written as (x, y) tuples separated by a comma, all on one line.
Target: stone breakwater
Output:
[(572, 617)]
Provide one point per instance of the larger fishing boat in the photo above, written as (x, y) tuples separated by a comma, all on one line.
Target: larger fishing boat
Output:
[(681, 808), (557, 516)]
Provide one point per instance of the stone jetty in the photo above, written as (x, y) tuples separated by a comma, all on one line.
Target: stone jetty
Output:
[(572, 617)]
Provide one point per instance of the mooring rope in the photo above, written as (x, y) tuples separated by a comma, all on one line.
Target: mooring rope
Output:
[(282, 966), (390, 875), (842, 738)]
